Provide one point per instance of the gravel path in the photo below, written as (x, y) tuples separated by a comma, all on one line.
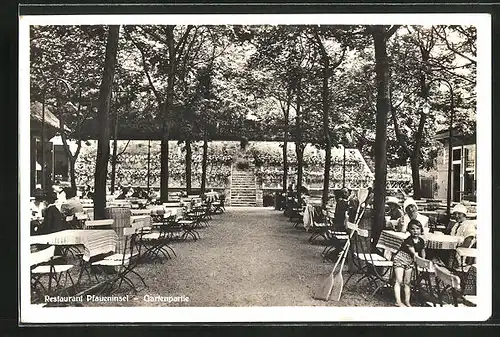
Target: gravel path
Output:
[(247, 257)]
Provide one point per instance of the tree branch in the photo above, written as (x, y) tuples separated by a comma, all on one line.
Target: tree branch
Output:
[(125, 148), (391, 31), (399, 135), (451, 47), (145, 66)]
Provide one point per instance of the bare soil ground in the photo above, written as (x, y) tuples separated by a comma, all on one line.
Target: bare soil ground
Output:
[(246, 257)]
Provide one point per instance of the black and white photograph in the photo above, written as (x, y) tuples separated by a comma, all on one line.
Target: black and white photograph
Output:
[(255, 168)]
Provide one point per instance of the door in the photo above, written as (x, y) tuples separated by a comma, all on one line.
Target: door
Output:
[(456, 183)]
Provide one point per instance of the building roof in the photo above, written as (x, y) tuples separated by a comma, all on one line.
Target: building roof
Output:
[(458, 137), (50, 119)]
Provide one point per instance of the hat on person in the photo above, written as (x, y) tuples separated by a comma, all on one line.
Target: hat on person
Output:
[(392, 200), (409, 202), (459, 209)]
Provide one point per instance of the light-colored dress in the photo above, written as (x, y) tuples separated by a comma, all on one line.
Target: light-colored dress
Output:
[(402, 224), (464, 229)]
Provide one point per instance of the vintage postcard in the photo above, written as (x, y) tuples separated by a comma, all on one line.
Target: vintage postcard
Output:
[(255, 168)]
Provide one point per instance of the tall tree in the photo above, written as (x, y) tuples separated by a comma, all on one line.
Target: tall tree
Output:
[(67, 56), (328, 68), (104, 130), (380, 35)]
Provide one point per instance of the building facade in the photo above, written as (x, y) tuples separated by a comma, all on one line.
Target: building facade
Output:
[(463, 166)]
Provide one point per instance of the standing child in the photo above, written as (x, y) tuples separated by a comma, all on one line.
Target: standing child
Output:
[(404, 261)]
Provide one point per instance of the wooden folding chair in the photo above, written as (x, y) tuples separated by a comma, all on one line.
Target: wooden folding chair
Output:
[(156, 242), (96, 248), (43, 264), (448, 284), (424, 274), (218, 205), (321, 226), (375, 268), (123, 264)]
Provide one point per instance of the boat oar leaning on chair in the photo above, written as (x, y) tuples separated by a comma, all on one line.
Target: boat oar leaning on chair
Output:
[(334, 282), (373, 267)]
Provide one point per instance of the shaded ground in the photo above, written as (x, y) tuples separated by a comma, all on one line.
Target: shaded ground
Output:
[(247, 257)]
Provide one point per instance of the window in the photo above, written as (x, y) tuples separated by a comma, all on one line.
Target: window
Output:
[(470, 158), (457, 154)]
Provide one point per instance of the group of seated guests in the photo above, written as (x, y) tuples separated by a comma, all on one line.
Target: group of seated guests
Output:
[(458, 225), (414, 245), (50, 210), (129, 192)]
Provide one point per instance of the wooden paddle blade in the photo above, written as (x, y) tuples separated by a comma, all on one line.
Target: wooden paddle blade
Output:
[(323, 292), (338, 284)]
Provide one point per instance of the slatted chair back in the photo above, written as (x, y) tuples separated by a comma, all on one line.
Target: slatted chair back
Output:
[(447, 278), (424, 264), (42, 256), (99, 224), (132, 244), (99, 243)]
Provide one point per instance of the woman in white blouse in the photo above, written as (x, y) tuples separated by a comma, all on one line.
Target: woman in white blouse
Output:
[(411, 212), (463, 227)]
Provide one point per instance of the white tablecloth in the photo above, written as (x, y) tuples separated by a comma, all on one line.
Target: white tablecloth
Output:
[(95, 241), (392, 240)]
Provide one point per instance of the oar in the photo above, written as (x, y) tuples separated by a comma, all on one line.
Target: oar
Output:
[(326, 287), (323, 292), (363, 195), (338, 279)]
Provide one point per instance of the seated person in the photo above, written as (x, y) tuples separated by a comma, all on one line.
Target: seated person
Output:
[(466, 229), (60, 194), (38, 205), (341, 208), (72, 204), (394, 212), (411, 213), (462, 227), (53, 220), (353, 203), (122, 194)]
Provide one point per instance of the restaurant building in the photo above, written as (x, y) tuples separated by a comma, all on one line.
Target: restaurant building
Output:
[(53, 164), (463, 168)]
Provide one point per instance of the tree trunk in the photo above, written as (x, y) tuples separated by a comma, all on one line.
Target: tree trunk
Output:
[(164, 166), (204, 163), (415, 176), (299, 148), (166, 114), (101, 169), (115, 150), (326, 133), (71, 159), (285, 160), (383, 108), (72, 174), (188, 166), (285, 141)]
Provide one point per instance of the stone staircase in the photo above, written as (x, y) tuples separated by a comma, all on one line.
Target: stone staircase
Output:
[(243, 191)]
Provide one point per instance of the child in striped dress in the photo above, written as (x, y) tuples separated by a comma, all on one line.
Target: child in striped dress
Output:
[(404, 261)]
